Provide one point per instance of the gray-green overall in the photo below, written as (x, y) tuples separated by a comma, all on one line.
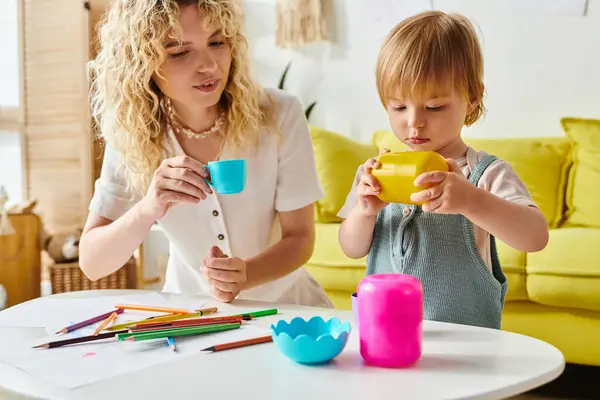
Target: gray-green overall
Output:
[(440, 250)]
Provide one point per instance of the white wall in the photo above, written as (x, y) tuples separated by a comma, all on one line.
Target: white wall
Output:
[(538, 66)]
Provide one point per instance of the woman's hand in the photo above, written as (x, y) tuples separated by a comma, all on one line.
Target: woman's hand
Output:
[(177, 180), (226, 275), (368, 189)]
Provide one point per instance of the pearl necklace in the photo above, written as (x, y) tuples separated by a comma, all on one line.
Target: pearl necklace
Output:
[(174, 122)]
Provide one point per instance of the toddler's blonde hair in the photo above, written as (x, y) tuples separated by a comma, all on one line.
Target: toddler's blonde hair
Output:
[(429, 52)]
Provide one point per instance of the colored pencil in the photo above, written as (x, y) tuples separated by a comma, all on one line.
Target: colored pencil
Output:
[(165, 332), (183, 332), (262, 313), (197, 330), (139, 307), (169, 317), (82, 339), (88, 322), (175, 316), (206, 311), (162, 328), (157, 319), (163, 316), (193, 325), (186, 322), (171, 343), (241, 343), (105, 323)]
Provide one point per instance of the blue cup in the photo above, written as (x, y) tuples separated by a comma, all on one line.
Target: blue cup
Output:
[(227, 176)]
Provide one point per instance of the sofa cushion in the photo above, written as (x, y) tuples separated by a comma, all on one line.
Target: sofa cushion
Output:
[(338, 273), (330, 266), (567, 272), (574, 332), (337, 159), (542, 163), (513, 264), (583, 191), (383, 139)]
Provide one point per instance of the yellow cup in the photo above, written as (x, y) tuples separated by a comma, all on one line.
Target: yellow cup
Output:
[(398, 171)]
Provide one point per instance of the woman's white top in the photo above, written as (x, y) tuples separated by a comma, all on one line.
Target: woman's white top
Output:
[(281, 176)]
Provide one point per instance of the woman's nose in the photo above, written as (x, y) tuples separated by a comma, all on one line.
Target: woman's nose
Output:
[(206, 63)]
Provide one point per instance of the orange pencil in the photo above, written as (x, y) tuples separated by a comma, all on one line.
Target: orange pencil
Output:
[(241, 343), (153, 308), (105, 323)]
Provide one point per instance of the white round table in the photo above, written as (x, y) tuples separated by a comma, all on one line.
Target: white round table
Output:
[(458, 362)]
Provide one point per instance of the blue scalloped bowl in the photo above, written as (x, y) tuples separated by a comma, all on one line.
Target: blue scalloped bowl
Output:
[(311, 342)]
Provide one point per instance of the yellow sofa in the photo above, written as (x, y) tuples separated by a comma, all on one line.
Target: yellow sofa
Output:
[(554, 294)]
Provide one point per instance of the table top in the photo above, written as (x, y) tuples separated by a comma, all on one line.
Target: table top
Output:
[(458, 362)]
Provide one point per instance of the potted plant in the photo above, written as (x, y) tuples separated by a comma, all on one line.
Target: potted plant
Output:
[(282, 87)]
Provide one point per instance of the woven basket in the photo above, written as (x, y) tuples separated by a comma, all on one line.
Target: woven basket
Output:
[(68, 277)]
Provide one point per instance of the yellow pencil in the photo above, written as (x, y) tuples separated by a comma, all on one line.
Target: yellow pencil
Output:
[(170, 317), (105, 323)]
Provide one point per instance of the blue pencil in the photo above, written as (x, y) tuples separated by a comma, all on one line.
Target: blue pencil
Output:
[(171, 342)]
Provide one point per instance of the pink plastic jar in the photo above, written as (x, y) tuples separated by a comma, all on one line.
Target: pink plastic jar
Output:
[(390, 318)]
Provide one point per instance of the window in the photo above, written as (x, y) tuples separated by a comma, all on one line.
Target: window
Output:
[(11, 108), (10, 92), (11, 174)]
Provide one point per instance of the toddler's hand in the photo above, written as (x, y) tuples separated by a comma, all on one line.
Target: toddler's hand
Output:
[(452, 193), (369, 188)]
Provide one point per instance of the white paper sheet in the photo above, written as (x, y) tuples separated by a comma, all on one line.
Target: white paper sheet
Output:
[(85, 363), (382, 15), (55, 314), (78, 365)]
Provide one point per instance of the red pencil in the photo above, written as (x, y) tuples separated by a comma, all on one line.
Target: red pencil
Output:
[(241, 343), (184, 323)]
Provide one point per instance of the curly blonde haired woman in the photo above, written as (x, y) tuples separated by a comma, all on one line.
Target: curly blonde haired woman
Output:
[(171, 92)]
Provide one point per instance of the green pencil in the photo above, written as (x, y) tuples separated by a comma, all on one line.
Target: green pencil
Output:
[(184, 332), (171, 329), (196, 330), (256, 314)]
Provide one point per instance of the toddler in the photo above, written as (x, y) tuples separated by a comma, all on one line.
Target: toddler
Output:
[(430, 80)]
